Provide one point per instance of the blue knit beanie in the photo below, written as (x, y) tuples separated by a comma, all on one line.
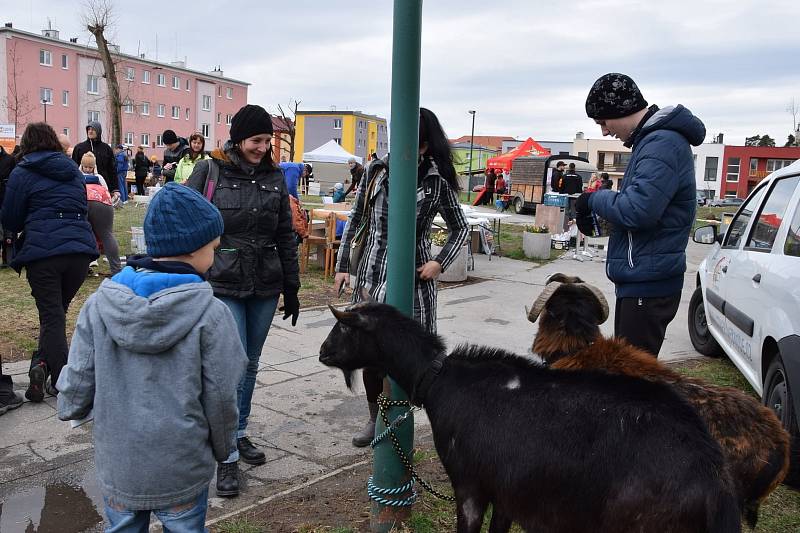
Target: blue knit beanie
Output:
[(179, 221)]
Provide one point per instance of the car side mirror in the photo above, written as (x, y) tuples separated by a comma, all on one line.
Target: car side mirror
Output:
[(706, 235)]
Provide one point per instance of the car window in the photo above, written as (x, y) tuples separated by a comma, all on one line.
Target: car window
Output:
[(742, 219), (792, 245), (765, 229)]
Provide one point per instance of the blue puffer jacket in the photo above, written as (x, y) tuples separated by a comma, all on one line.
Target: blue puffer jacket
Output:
[(652, 214), (46, 197)]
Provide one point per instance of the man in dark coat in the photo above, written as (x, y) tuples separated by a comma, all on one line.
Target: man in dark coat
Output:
[(106, 161), (177, 147), (653, 212), (557, 179), (356, 173), (7, 163)]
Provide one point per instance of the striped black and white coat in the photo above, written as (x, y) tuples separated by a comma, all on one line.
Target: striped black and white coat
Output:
[(434, 196)]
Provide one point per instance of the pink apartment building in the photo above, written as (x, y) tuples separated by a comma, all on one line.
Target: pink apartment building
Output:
[(68, 78)]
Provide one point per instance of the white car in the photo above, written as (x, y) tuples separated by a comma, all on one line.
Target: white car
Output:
[(747, 301)]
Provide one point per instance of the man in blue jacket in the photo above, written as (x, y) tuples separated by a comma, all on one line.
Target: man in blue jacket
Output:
[(653, 212)]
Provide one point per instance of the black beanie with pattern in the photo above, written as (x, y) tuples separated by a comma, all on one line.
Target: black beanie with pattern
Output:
[(614, 96)]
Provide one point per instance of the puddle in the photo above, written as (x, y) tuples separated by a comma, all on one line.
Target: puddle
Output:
[(54, 508)]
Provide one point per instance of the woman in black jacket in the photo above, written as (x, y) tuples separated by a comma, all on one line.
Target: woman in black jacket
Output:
[(141, 165), (46, 198), (257, 258)]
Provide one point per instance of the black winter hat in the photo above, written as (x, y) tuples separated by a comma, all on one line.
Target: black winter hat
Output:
[(614, 96), (250, 120), (169, 137)]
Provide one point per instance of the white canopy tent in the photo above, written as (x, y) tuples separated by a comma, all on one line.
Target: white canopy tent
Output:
[(330, 152)]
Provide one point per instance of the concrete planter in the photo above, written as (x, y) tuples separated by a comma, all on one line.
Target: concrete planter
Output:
[(536, 245), (458, 270)]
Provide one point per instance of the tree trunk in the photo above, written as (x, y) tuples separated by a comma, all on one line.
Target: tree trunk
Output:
[(114, 102)]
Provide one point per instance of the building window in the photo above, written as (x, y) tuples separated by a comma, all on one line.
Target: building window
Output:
[(64, 61), (584, 155), (187, 113), (65, 98), (229, 93), (219, 92), (94, 116), (66, 131), (228, 119), (159, 140), (205, 129), (92, 84), (337, 123), (145, 76), (711, 169), (176, 82), (188, 85), (753, 166), (338, 140), (45, 58), (128, 137), (127, 106), (162, 80), (206, 102), (145, 108), (46, 95), (621, 160), (777, 164), (733, 169), (146, 139), (176, 111), (219, 118), (161, 110), (130, 74)]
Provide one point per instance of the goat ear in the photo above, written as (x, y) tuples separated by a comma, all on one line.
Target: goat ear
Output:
[(351, 318)]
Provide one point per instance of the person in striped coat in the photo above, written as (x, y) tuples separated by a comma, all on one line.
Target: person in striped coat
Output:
[(437, 193)]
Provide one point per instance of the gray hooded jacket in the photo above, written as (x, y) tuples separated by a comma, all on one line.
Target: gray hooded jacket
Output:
[(160, 374)]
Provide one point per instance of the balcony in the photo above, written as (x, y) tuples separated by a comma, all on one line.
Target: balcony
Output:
[(611, 168), (758, 175)]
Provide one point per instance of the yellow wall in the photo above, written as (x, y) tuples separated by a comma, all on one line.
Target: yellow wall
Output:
[(349, 133), (372, 138), (299, 133)]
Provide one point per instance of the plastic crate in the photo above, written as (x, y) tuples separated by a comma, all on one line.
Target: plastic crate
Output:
[(557, 244), (555, 199)]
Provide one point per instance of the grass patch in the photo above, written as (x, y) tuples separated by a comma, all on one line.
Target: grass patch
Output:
[(242, 525)]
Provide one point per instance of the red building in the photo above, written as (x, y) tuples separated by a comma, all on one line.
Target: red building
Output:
[(746, 166)]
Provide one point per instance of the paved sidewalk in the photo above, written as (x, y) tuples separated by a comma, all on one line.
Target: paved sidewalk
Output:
[(302, 414)]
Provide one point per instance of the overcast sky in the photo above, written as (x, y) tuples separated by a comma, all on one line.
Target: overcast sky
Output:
[(525, 66)]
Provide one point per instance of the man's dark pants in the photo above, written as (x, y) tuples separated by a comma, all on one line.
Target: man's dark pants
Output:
[(54, 282), (643, 321)]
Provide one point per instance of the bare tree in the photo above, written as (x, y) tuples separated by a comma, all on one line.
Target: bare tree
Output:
[(16, 102), (794, 109), (289, 116), (99, 17)]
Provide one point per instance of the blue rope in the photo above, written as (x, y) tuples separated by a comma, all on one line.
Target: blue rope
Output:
[(376, 494)]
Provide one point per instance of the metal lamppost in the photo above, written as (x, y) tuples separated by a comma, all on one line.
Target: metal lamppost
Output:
[(471, 142), (44, 105)]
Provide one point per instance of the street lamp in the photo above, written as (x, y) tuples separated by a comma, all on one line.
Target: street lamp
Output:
[(44, 105), (471, 142)]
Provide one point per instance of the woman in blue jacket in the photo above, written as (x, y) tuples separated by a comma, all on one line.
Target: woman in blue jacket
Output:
[(46, 201)]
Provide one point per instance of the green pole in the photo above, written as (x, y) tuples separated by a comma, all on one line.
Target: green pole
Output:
[(388, 470)]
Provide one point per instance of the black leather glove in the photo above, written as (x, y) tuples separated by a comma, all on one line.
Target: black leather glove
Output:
[(291, 305), (582, 205)]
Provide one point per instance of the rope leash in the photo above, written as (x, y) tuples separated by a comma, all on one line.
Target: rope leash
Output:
[(377, 493)]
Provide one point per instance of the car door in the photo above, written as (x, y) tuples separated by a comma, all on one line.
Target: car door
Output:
[(758, 276), (720, 286)]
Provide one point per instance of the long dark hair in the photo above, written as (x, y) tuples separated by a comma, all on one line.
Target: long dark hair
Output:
[(192, 154), (38, 137), (431, 132)]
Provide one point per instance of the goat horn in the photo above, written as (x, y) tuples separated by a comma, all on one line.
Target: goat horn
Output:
[(336, 313), (562, 278), (541, 301), (600, 299)]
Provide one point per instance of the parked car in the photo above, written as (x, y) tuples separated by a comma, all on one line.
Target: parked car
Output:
[(701, 200), (726, 202), (747, 301)]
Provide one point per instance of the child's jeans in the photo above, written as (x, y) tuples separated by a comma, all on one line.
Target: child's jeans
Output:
[(189, 517)]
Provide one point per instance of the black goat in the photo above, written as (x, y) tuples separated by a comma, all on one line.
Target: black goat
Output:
[(555, 451)]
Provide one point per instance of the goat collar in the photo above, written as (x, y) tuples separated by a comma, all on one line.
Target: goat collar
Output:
[(426, 380)]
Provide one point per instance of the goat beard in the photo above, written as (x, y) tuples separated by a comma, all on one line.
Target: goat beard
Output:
[(348, 377)]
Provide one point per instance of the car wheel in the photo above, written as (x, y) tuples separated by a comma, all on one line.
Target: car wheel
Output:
[(699, 334), (519, 205), (778, 397)]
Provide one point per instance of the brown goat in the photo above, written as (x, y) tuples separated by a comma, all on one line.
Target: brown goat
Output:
[(753, 441)]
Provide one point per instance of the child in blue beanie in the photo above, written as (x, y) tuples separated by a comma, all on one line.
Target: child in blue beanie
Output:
[(156, 362)]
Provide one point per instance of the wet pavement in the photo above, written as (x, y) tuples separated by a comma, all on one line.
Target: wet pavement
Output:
[(303, 416)]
